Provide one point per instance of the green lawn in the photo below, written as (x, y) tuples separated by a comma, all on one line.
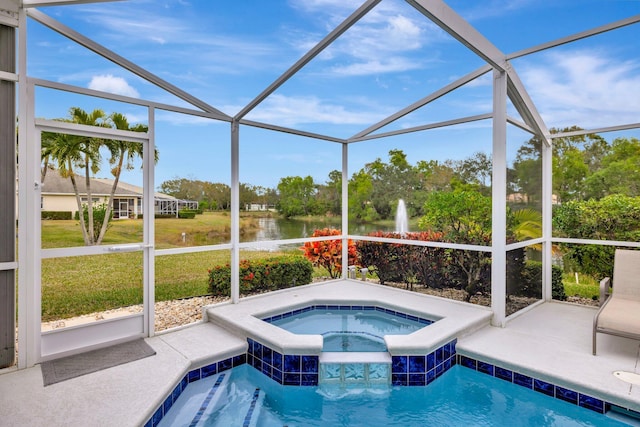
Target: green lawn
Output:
[(79, 285), (585, 287)]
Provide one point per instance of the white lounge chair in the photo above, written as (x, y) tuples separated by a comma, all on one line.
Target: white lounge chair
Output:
[(619, 313)]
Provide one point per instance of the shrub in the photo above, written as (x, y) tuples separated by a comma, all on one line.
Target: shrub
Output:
[(56, 215), (404, 263), (614, 217), (328, 253), (262, 275), (99, 212), (187, 213), (532, 279)]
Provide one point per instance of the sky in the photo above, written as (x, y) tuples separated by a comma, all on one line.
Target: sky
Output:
[(226, 53)]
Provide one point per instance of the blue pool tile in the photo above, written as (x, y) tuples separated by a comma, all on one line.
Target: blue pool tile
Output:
[(449, 349), (257, 363), (380, 309), (291, 379), (239, 360), (276, 317), (184, 382), (439, 356), (304, 310), (567, 395), (417, 364), (431, 361), (194, 375), (523, 380), (439, 370), (430, 376), (333, 307), (468, 362), (276, 359), (257, 349), (310, 364), (296, 312), (412, 317), (368, 308), (266, 369), (175, 394), (287, 315), (266, 355), (225, 364), (425, 321), (277, 375), (485, 367), (503, 374), (168, 403), (149, 423), (209, 370), (356, 307), (291, 363), (309, 380), (345, 307), (399, 379), (320, 307), (401, 315), (157, 417), (589, 402), (448, 363), (417, 379), (399, 364), (544, 387)]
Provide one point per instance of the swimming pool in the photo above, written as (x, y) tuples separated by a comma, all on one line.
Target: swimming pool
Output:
[(244, 397), (348, 328)]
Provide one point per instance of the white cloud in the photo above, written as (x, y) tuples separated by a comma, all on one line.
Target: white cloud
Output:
[(585, 88), (291, 111), (385, 40), (112, 84)]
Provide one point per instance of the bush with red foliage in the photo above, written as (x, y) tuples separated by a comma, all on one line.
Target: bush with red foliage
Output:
[(328, 253)]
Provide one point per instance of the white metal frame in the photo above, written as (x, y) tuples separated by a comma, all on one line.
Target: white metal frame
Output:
[(64, 341), (507, 86)]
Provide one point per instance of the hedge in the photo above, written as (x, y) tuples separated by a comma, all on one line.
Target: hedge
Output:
[(56, 215), (262, 275), (435, 267), (187, 214)]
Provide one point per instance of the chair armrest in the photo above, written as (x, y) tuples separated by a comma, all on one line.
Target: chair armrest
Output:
[(605, 284)]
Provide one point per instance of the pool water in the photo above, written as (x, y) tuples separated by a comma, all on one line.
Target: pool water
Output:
[(461, 397), (350, 329)]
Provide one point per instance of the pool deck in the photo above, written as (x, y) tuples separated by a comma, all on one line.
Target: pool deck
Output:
[(551, 341)]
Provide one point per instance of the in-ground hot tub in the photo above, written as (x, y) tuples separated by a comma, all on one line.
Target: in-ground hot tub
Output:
[(349, 328)]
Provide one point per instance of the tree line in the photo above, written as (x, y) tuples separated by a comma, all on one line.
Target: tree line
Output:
[(584, 167)]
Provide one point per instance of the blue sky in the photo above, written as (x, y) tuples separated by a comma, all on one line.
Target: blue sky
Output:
[(227, 52)]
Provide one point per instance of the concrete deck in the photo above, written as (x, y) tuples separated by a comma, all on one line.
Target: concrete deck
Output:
[(551, 341)]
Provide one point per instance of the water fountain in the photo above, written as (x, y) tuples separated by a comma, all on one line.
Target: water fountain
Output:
[(402, 221)]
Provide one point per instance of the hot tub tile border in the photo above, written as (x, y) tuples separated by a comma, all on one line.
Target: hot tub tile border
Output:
[(550, 389), (344, 307)]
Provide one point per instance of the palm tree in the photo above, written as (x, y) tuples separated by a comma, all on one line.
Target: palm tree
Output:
[(122, 155), (90, 158), (72, 152)]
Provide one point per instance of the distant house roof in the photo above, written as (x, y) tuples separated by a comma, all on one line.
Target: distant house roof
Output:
[(54, 183)]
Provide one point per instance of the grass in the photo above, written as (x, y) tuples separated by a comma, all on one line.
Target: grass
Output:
[(73, 286), (585, 286)]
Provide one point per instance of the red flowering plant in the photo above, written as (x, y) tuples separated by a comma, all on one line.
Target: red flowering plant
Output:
[(328, 253)]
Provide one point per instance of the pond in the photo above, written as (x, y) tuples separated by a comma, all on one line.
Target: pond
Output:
[(271, 229)]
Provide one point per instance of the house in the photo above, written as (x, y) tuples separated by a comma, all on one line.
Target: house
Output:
[(58, 195)]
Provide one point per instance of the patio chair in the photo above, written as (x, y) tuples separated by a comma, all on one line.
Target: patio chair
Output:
[(619, 312)]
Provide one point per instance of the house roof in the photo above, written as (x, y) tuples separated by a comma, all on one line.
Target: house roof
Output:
[(54, 183)]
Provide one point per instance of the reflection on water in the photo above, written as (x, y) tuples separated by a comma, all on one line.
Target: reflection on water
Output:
[(271, 229)]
